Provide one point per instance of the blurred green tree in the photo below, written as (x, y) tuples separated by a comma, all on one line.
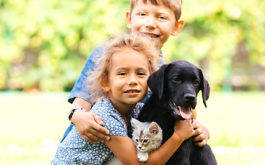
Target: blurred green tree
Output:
[(44, 43)]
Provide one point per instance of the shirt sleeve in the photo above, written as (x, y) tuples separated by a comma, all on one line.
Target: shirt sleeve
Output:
[(80, 88), (115, 124), (110, 117)]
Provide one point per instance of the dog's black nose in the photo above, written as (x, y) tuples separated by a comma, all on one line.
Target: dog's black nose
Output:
[(189, 97)]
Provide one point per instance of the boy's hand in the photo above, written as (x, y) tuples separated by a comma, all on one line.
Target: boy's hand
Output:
[(90, 126), (201, 135)]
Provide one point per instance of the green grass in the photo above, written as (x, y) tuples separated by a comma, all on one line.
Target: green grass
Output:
[(32, 125), (237, 127)]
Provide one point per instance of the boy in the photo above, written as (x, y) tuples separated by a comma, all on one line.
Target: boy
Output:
[(155, 19)]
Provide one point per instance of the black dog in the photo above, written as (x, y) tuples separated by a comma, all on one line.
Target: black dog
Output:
[(174, 89)]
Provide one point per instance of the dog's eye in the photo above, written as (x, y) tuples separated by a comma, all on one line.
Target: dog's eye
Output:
[(196, 82), (177, 80)]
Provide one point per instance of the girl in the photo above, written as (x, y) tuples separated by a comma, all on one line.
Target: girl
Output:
[(118, 85)]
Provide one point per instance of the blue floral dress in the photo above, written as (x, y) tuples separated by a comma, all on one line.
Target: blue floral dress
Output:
[(76, 150)]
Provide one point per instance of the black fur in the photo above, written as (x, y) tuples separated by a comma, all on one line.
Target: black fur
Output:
[(177, 84)]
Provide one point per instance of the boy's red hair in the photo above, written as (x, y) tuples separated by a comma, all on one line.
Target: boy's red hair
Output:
[(174, 5)]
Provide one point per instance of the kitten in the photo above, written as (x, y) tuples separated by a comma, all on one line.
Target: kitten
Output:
[(114, 161), (146, 137)]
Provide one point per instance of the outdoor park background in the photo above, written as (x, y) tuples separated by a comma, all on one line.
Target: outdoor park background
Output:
[(44, 45)]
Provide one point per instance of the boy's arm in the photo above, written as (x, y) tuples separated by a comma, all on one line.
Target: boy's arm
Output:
[(88, 124), (201, 135), (124, 149)]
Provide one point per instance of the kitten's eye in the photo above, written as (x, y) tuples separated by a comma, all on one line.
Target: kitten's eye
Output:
[(145, 141), (136, 140)]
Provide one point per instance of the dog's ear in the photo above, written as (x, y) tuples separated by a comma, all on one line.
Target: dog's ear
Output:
[(156, 81), (205, 88)]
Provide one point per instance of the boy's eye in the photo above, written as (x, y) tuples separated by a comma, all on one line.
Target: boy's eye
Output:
[(142, 14), (162, 17)]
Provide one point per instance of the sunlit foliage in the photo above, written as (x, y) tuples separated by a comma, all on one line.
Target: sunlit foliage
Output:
[(44, 43)]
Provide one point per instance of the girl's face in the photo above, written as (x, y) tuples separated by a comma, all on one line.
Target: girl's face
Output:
[(127, 81)]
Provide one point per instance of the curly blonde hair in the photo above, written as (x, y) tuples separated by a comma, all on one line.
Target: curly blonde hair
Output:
[(100, 74)]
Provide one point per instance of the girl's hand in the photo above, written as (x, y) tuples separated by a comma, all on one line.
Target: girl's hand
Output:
[(201, 135), (90, 126), (184, 129)]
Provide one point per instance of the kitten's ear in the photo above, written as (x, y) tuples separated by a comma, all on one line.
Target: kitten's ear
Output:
[(134, 122), (153, 128)]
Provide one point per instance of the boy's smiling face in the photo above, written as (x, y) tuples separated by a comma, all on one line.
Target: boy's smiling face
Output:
[(155, 21)]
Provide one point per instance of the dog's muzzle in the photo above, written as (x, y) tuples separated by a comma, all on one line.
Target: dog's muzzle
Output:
[(181, 111)]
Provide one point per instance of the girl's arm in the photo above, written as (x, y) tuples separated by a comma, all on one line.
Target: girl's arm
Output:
[(124, 149)]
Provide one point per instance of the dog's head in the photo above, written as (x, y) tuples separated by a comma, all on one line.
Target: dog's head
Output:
[(178, 84)]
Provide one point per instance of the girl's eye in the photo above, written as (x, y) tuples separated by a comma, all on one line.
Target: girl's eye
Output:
[(122, 73), (141, 73)]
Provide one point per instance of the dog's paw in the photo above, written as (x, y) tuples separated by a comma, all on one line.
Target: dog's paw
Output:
[(143, 157)]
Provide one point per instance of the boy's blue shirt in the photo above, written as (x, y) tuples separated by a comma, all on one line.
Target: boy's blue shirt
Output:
[(80, 88)]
